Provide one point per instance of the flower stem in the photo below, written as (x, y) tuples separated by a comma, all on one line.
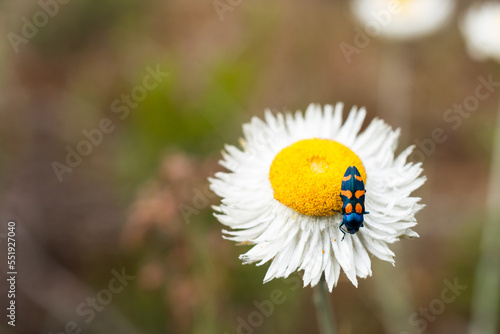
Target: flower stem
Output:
[(324, 309), (485, 302), (395, 84)]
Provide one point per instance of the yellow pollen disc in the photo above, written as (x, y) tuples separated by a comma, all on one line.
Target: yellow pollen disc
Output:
[(307, 175)]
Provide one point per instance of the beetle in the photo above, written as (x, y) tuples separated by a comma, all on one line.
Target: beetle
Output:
[(353, 201)]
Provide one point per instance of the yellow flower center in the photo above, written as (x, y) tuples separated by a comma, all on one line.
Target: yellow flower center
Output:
[(307, 175)]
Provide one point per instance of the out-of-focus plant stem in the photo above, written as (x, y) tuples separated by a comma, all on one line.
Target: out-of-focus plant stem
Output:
[(394, 104), (394, 86), (324, 309), (485, 300)]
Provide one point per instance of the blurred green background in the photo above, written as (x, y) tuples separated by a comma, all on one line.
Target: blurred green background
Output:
[(140, 201)]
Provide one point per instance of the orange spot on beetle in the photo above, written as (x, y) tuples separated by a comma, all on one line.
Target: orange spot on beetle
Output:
[(359, 178), (348, 208), (359, 208), (359, 193), (346, 193), (346, 178)]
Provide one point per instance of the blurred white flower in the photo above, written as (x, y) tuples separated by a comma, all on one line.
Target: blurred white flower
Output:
[(481, 29), (402, 19), (283, 189)]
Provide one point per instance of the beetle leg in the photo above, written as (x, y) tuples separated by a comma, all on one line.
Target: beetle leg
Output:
[(342, 230)]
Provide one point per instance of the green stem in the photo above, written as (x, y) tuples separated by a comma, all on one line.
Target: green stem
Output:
[(324, 309), (485, 303)]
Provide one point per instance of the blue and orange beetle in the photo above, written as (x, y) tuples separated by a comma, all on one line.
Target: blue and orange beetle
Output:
[(353, 201)]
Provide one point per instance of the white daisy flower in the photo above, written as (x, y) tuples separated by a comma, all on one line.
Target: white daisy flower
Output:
[(481, 29), (402, 19), (284, 185)]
